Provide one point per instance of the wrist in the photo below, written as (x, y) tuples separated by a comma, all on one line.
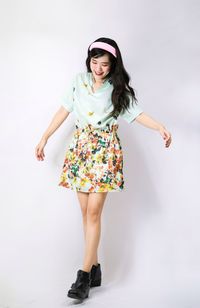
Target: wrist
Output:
[(160, 127), (45, 138)]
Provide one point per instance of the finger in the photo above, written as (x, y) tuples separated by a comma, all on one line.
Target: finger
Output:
[(42, 154), (39, 157), (168, 142), (167, 135), (39, 154)]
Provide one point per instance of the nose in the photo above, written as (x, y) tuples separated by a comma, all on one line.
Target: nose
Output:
[(99, 68)]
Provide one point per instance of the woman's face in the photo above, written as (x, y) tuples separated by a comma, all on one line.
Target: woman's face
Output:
[(100, 67)]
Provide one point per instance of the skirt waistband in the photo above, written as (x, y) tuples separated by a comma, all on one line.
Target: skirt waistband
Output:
[(91, 128)]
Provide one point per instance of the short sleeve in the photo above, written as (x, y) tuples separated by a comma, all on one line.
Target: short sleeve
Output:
[(132, 112), (67, 99)]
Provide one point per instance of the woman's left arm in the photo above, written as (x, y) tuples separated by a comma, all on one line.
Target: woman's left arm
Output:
[(147, 121)]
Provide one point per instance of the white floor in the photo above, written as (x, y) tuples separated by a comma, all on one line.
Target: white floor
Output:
[(110, 295)]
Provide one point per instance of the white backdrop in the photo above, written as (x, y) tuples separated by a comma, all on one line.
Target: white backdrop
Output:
[(149, 249)]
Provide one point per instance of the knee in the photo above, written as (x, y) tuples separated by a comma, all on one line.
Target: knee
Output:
[(93, 215)]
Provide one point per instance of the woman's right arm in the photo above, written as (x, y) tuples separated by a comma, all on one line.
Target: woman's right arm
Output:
[(57, 120)]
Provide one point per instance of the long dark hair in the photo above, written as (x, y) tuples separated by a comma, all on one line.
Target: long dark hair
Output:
[(122, 91)]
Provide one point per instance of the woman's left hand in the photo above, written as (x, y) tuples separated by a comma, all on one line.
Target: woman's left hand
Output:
[(166, 136)]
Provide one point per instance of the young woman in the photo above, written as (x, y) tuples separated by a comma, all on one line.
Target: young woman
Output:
[(93, 164)]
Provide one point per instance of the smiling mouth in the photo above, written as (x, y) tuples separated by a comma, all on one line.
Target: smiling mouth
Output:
[(98, 74)]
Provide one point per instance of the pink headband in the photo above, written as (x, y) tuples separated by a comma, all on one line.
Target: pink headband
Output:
[(104, 46)]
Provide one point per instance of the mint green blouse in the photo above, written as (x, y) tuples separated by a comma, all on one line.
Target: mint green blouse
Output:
[(94, 107)]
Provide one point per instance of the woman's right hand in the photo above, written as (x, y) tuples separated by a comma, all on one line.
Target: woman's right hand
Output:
[(39, 150)]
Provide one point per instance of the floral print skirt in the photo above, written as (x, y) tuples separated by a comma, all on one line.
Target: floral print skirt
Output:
[(93, 160)]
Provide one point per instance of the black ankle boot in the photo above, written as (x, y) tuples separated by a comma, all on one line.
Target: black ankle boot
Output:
[(80, 289), (95, 276)]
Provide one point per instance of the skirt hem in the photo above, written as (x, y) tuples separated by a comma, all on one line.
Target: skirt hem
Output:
[(95, 191)]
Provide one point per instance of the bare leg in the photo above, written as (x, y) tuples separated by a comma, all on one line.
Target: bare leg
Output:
[(93, 230), (83, 200)]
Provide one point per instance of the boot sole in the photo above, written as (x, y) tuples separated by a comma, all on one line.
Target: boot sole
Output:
[(75, 296)]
